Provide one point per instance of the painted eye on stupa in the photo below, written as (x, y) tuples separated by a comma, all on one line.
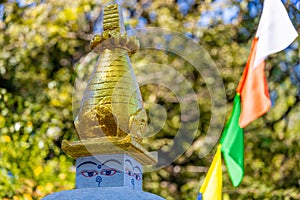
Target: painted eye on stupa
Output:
[(129, 172), (89, 173), (108, 172), (137, 176)]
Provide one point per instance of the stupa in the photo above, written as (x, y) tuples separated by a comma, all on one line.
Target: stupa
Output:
[(111, 122)]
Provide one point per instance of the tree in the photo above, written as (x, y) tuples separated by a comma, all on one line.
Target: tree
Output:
[(42, 41)]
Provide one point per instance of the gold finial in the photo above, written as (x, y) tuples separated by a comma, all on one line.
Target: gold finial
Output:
[(111, 18), (111, 110), (114, 35)]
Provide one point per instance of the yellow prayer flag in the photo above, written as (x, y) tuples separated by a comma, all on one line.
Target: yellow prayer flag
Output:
[(211, 189)]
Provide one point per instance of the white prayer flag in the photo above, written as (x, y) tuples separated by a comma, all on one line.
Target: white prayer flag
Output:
[(275, 30)]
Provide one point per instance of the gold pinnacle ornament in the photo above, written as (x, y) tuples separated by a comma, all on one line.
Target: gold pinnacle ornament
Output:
[(111, 118)]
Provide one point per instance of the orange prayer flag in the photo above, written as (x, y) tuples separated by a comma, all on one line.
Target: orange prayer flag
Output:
[(253, 88), (275, 32)]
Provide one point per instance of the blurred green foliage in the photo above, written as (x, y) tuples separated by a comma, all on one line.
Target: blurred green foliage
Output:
[(40, 43)]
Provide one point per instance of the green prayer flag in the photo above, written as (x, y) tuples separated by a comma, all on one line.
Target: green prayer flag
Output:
[(232, 141)]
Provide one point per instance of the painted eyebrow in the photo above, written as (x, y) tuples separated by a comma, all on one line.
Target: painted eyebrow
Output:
[(87, 162), (138, 169), (129, 162), (111, 160)]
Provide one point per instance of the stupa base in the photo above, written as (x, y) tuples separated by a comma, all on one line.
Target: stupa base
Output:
[(111, 193)]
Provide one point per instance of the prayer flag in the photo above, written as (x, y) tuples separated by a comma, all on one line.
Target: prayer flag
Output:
[(199, 196), (253, 88), (211, 189), (232, 141), (275, 32)]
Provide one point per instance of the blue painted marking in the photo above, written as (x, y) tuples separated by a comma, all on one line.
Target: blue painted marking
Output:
[(98, 180), (132, 183)]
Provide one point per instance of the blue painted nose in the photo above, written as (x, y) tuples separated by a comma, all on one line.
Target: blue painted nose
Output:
[(132, 183), (98, 180)]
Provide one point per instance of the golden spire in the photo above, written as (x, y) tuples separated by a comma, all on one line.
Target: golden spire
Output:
[(112, 108)]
